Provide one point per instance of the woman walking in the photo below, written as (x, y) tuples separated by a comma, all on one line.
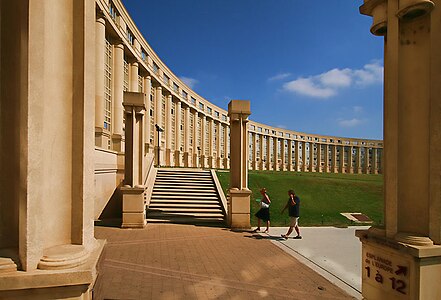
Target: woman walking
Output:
[(263, 213)]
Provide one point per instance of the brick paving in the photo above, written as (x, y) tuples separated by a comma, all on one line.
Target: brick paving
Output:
[(168, 261)]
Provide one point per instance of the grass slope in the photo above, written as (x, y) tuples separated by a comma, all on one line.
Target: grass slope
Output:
[(323, 196)]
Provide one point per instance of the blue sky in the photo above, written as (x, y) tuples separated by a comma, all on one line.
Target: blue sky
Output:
[(309, 66)]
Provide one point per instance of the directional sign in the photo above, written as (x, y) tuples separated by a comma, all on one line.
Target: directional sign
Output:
[(386, 271)]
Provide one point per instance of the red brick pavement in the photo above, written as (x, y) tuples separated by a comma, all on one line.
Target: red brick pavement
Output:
[(166, 261)]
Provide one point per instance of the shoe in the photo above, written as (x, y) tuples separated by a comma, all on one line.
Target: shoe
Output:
[(284, 236), (256, 230), (266, 231), (298, 237)]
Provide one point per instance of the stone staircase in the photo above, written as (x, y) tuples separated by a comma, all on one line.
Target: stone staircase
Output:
[(185, 196)]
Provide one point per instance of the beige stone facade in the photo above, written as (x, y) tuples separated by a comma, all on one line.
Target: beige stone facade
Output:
[(74, 101)]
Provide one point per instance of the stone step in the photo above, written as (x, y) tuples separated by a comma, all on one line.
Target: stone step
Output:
[(178, 193), (209, 205), (186, 179), (184, 213), (188, 220), (185, 201), (183, 197), (184, 188), (184, 184)]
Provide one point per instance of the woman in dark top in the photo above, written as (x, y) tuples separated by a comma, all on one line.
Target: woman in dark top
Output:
[(263, 213), (293, 206)]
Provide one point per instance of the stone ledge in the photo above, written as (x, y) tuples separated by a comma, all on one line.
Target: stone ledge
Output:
[(40, 279)]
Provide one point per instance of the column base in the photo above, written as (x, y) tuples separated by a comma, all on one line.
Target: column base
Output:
[(393, 269), (239, 209), (117, 143), (203, 161), (196, 161), (63, 257), (133, 214), (226, 163), (74, 283), (8, 260), (168, 157), (177, 158), (186, 159)]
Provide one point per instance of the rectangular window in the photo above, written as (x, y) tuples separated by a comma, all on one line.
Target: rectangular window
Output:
[(209, 110), (152, 111), (163, 112), (107, 85), (126, 76), (216, 113), (143, 55), (175, 87), (155, 68), (184, 94), (112, 11), (129, 36), (173, 125), (193, 100), (166, 79), (201, 106), (140, 84)]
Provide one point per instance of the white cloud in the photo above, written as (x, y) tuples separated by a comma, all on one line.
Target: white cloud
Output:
[(190, 82), (279, 77), (281, 126), (350, 123), (327, 84), (357, 109)]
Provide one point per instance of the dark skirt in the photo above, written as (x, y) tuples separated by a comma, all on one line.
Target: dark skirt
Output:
[(263, 214)]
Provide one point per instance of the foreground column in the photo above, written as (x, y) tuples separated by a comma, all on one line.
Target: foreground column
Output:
[(290, 168), (239, 204), (407, 251), (47, 147), (133, 214)]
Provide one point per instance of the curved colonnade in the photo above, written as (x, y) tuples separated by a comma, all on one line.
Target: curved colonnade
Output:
[(185, 130)]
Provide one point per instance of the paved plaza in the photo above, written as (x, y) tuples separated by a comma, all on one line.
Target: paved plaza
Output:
[(168, 261)]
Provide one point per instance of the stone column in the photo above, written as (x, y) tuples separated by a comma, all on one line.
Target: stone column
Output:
[(133, 85), (100, 38), (326, 151), (334, 159), (210, 129), (297, 154), (268, 153), (412, 153), (226, 139), (254, 151), (350, 168), (342, 159), (276, 165), (304, 159), (118, 79), (187, 136), (203, 157), (239, 204), (261, 162), (319, 158), (311, 157), (159, 151), (177, 155), (168, 130), (218, 145), (358, 159), (374, 161), (196, 147), (47, 122), (290, 168), (133, 214), (282, 155), (366, 160), (147, 119)]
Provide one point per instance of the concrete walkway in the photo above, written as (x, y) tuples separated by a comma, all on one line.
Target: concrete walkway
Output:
[(167, 261), (335, 253)]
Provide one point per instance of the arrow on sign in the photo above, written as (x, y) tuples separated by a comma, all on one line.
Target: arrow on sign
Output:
[(401, 270)]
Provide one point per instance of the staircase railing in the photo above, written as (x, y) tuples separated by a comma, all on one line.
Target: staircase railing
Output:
[(220, 192), (150, 176)]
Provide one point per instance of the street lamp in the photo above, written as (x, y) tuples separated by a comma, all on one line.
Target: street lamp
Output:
[(159, 130)]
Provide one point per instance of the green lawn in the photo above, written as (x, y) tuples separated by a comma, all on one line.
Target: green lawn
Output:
[(323, 196)]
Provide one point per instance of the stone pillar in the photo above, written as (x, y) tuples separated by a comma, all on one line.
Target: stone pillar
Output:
[(239, 204), (282, 155), (311, 157), (319, 158), (133, 214), (134, 69), (268, 153), (350, 168), (326, 151), (276, 166), (218, 145), (304, 159), (342, 159), (374, 161), (226, 139), (290, 168), (118, 79), (168, 130), (100, 37), (203, 157), (147, 119), (177, 154), (196, 147), (159, 150), (187, 137), (47, 122), (210, 129), (366, 160), (297, 154), (261, 162), (358, 159), (412, 154), (334, 168)]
